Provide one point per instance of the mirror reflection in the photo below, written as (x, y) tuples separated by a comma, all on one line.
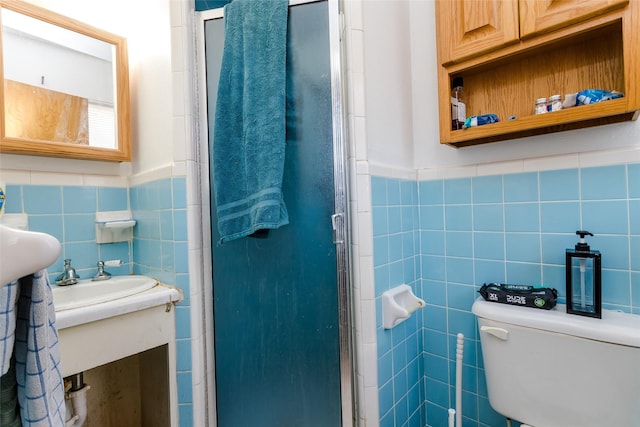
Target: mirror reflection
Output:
[(65, 86), (45, 97)]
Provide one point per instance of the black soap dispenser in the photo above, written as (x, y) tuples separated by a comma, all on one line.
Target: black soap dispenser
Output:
[(584, 287)]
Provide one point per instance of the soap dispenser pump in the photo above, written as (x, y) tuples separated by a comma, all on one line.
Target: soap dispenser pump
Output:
[(584, 287)]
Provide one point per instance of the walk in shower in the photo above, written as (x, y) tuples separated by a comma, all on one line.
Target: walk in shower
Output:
[(282, 353)]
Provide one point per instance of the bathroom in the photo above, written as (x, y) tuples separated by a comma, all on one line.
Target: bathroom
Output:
[(440, 219)]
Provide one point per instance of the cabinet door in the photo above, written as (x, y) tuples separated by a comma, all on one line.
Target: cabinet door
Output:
[(467, 28), (538, 16)]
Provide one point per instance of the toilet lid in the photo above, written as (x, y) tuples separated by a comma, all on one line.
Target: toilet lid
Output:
[(614, 327)]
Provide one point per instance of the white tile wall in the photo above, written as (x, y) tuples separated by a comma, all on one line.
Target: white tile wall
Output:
[(44, 177), (361, 223), (57, 168), (535, 164), (609, 157), (186, 150)]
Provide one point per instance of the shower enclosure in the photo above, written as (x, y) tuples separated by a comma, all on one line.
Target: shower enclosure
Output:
[(281, 307)]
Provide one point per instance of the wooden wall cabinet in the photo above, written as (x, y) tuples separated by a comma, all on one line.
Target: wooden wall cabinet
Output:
[(510, 53), (538, 16), (468, 28)]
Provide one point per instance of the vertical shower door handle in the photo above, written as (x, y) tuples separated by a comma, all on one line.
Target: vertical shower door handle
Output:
[(337, 223)]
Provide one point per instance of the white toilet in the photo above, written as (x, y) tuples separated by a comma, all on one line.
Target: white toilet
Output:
[(548, 368)]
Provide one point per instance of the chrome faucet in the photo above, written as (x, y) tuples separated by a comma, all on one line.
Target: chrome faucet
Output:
[(102, 275), (69, 276)]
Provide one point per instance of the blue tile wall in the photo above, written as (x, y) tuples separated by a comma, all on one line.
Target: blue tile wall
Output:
[(159, 247), (503, 228), (396, 239), (68, 213), (160, 250)]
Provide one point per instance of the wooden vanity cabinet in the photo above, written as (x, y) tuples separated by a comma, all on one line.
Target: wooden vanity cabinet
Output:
[(559, 48)]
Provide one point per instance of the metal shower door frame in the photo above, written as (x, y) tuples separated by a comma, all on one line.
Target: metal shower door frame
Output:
[(340, 217)]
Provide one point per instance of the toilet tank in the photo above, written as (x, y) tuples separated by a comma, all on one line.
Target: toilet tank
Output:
[(548, 368)]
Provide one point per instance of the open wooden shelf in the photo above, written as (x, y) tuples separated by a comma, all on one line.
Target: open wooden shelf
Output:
[(596, 54), (573, 118)]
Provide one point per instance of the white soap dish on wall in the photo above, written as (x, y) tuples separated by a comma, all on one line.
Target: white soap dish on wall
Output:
[(398, 304), (114, 226)]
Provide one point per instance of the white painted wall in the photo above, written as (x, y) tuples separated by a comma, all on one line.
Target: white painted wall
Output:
[(53, 66), (401, 100), (387, 76), (146, 26)]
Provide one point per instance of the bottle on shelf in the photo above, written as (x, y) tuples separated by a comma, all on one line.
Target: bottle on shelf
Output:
[(458, 107), (541, 106), (555, 103)]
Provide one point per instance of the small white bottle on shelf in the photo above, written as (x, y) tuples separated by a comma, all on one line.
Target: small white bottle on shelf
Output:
[(541, 106), (555, 103), (458, 107)]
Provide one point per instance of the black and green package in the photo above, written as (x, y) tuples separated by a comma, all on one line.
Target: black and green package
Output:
[(523, 295)]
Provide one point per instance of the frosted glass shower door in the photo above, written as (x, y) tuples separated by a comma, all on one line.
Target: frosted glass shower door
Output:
[(276, 299)]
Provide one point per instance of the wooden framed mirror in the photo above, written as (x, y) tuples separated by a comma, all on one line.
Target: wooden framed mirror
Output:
[(65, 90)]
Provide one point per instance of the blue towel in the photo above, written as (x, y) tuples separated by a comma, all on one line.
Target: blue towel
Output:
[(37, 354), (249, 131)]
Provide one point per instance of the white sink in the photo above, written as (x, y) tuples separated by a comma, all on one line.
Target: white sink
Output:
[(87, 292), (101, 322)]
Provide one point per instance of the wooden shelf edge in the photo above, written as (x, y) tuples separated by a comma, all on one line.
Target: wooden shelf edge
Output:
[(575, 118)]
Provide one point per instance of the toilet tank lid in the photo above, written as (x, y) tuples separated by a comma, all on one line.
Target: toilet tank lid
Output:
[(614, 327)]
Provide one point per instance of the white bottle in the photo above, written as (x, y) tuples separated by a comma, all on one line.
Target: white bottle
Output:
[(541, 106), (555, 103), (458, 107)]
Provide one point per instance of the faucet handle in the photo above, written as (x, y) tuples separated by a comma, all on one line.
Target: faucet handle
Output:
[(69, 275), (101, 275)]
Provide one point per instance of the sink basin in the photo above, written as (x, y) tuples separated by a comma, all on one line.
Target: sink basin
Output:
[(102, 322), (87, 292)]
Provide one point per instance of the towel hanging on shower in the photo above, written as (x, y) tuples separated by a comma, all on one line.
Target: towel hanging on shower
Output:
[(250, 120)]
